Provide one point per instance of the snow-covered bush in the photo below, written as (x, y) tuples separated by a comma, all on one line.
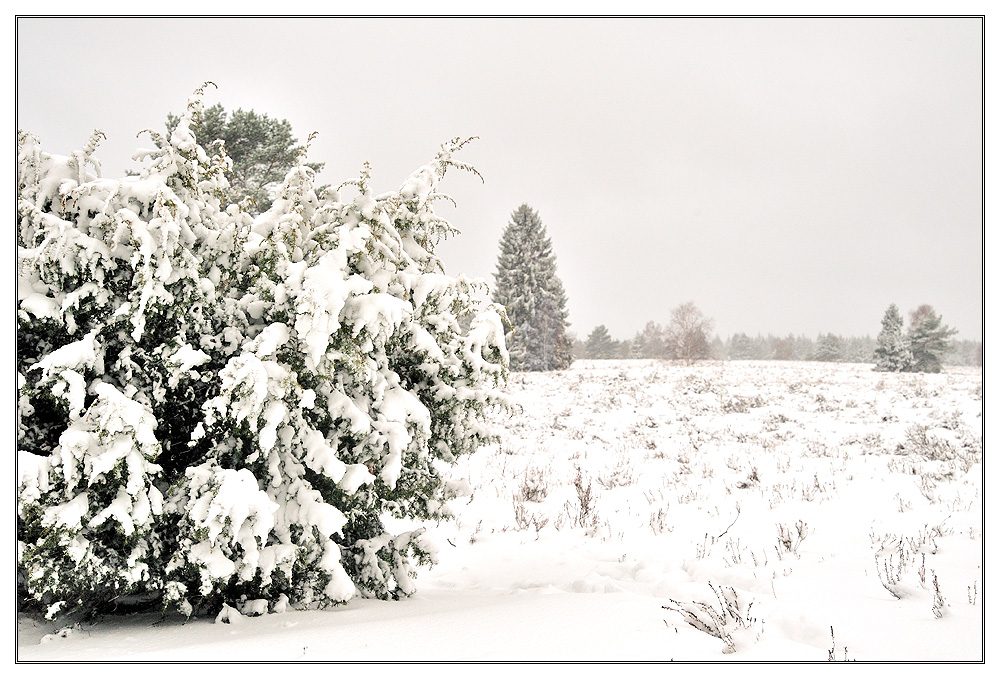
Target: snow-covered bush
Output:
[(733, 616), (215, 406)]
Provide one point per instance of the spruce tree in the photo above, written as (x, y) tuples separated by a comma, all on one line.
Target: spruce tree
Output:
[(892, 354), (528, 287), (928, 339)]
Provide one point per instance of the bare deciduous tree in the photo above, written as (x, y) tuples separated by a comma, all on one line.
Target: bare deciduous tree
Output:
[(687, 335)]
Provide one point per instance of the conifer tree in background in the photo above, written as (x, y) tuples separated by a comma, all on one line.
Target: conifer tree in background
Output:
[(717, 349), (528, 287), (740, 347), (649, 342), (600, 345), (783, 347), (928, 339), (857, 349), (216, 407), (891, 351), (964, 352), (261, 148), (828, 348)]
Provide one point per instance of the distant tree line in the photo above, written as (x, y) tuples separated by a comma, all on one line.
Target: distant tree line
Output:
[(537, 336), (686, 338), (827, 347)]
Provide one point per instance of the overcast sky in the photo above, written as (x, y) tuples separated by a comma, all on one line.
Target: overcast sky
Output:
[(785, 175)]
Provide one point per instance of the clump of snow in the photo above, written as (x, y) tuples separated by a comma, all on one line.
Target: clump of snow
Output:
[(355, 476), (229, 615), (254, 607), (224, 509)]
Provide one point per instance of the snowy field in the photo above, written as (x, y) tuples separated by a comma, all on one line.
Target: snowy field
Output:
[(637, 510)]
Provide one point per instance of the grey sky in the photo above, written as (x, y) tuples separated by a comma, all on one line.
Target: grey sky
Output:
[(785, 175)]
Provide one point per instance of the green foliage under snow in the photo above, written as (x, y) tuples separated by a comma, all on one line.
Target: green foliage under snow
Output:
[(218, 406)]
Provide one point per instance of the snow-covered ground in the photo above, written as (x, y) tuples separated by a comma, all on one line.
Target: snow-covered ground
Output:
[(736, 511)]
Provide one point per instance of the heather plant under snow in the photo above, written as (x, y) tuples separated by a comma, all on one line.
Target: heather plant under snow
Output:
[(217, 408), (641, 510)]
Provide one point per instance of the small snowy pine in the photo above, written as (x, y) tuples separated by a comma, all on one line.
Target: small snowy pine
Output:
[(891, 351)]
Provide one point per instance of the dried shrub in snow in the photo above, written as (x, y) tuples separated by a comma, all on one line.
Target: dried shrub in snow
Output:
[(524, 520), (742, 404), (620, 473), (534, 486), (658, 521), (789, 538), (695, 383), (215, 406), (733, 615), (584, 513), (939, 606), (919, 441)]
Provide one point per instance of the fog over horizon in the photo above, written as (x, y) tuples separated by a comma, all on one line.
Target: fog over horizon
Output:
[(787, 175)]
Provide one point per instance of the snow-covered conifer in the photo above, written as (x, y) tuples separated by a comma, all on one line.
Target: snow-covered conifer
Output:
[(534, 297), (892, 354), (216, 405)]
